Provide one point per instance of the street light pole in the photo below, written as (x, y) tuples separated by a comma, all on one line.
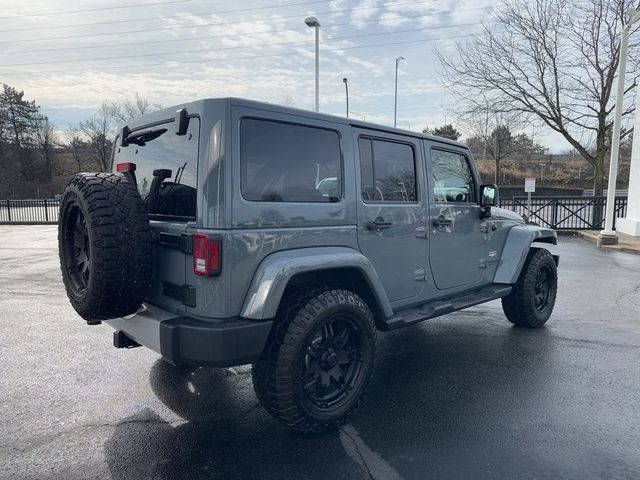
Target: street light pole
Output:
[(346, 91), (608, 235), (313, 22), (395, 97)]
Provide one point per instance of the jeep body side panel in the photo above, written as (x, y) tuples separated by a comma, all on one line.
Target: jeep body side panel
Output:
[(262, 228), (276, 270), (516, 247)]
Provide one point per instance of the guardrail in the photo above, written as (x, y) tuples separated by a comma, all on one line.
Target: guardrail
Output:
[(29, 212), (566, 213)]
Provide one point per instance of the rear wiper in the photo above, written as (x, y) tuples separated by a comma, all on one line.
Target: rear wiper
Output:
[(141, 138)]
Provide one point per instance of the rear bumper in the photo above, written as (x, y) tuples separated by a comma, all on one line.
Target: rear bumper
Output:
[(183, 340)]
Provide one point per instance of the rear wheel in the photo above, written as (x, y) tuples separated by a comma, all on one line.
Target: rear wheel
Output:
[(318, 361), (533, 297)]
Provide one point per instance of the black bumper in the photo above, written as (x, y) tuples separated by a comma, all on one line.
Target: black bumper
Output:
[(186, 340)]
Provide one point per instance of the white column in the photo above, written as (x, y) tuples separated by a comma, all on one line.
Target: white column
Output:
[(631, 223)]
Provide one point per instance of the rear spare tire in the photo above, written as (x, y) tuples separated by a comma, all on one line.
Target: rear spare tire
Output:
[(104, 244)]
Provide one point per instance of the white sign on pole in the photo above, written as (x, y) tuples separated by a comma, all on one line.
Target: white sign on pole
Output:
[(530, 185)]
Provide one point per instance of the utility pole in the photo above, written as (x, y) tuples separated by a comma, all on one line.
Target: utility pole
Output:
[(608, 235), (313, 22), (395, 101), (346, 91)]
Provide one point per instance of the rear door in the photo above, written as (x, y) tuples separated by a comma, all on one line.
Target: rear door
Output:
[(458, 244), (391, 211), (166, 176)]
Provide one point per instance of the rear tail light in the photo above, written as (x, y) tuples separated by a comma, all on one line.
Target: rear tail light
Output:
[(206, 255), (126, 167)]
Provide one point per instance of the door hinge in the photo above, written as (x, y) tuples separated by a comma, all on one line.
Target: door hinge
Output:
[(177, 241), (184, 293), (482, 263), (420, 275)]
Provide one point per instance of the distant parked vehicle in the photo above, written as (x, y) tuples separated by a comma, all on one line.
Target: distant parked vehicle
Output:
[(233, 232)]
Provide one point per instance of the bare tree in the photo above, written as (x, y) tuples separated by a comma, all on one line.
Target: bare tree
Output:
[(45, 142), (287, 101), (490, 133), (552, 60), (76, 144), (98, 131), (122, 112)]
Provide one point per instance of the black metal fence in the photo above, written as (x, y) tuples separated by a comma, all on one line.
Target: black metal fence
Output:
[(566, 213), (560, 213), (29, 211)]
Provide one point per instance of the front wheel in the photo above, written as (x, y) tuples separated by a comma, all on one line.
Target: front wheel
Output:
[(318, 361), (531, 301)]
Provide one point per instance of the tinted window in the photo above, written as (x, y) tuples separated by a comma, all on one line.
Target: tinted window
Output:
[(387, 171), (174, 160), (282, 162), (452, 177)]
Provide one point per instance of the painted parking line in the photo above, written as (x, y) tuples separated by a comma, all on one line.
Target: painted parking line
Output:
[(372, 463)]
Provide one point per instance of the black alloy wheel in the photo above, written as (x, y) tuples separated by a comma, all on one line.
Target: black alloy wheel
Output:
[(77, 248), (332, 365), (319, 359), (533, 297), (542, 289)]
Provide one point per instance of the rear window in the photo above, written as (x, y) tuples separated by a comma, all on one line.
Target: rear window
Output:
[(387, 171), (166, 169), (283, 162)]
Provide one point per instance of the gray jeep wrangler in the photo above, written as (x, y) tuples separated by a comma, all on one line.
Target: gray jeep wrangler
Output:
[(234, 232)]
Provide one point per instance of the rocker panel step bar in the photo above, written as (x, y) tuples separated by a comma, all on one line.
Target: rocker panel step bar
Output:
[(444, 306)]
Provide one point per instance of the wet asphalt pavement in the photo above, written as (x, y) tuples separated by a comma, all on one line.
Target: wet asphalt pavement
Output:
[(462, 396)]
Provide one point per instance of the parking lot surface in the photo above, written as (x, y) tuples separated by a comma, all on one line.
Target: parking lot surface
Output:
[(461, 396)]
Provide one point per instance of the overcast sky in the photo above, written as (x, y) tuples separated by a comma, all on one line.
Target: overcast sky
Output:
[(71, 61)]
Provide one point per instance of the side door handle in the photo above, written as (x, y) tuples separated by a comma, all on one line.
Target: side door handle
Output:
[(378, 224), (441, 221)]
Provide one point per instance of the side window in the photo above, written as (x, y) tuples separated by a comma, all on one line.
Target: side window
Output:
[(452, 177), (283, 162), (387, 171)]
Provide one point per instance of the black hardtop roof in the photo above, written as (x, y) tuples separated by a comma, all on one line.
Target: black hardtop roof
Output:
[(203, 104)]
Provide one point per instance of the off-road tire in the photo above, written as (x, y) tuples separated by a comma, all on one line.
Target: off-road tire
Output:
[(520, 305), (277, 376), (117, 240)]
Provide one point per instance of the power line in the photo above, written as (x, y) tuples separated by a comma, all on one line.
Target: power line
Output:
[(209, 49), (175, 27), (246, 57), (205, 50), (208, 37), (111, 22), (93, 9)]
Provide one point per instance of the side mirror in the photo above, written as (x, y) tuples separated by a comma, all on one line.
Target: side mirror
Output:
[(488, 199), (488, 195)]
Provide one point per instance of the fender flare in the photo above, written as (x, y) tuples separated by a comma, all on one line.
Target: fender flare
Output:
[(516, 248), (276, 270)]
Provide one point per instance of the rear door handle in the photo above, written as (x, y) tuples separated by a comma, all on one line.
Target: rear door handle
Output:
[(378, 224), (441, 221)]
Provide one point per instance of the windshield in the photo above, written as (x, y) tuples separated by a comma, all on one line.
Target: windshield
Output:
[(166, 168)]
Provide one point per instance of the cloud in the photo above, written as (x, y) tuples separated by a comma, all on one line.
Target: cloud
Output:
[(364, 10), (390, 19), (270, 73)]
